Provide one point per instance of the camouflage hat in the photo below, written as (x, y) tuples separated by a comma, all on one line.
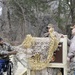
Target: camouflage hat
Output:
[(50, 25)]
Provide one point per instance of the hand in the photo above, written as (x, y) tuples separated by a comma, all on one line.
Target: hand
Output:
[(53, 58), (68, 59), (46, 34), (62, 36), (14, 52)]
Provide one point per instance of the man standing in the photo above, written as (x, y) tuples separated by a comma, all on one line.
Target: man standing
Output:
[(53, 71), (5, 51), (71, 54)]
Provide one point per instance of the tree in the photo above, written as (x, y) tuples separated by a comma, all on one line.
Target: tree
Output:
[(27, 10), (20, 14), (71, 4)]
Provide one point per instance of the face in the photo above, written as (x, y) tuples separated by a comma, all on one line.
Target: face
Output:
[(1, 42), (73, 31), (48, 28)]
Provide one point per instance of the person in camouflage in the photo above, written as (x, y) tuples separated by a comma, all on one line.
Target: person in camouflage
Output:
[(5, 51), (53, 71), (71, 54)]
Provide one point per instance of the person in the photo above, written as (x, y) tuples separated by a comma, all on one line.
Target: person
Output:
[(59, 35), (53, 71), (5, 51), (71, 53)]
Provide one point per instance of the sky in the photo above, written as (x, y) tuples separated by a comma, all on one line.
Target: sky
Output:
[(0, 10)]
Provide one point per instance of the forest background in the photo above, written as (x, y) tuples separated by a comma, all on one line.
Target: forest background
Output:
[(21, 17)]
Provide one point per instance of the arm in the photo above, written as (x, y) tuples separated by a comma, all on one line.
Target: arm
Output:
[(46, 34), (68, 41), (70, 56), (12, 53), (11, 50), (8, 51), (2, 52)]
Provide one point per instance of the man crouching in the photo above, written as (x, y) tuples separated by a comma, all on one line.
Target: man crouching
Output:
[(5, 51)]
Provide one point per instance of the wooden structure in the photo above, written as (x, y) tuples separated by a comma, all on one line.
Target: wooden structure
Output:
[(60, 57)]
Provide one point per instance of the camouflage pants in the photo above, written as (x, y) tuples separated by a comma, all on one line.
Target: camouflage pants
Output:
[(72, 68), (49, 71), (72, 72)]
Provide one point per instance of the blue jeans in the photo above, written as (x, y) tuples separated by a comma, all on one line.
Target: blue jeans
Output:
[(74, 72), (3, 64)]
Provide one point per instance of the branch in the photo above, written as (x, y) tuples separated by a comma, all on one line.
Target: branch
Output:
[(20, 7), (2, 2)]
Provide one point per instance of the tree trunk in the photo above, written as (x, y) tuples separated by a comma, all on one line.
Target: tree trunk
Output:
[(72, 10), (24, 25)]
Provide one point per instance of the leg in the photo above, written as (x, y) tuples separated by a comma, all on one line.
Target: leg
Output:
[(1, 69), (74, 72), (9, 70), (1, 72)]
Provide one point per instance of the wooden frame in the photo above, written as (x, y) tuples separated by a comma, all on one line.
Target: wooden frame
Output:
[(64, 58)]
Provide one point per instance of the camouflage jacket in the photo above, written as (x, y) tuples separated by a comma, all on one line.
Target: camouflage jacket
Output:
[(4, 50)]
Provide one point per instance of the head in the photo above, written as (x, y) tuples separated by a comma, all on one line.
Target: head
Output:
[(1, 40), (49, 26), (73, 30)]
